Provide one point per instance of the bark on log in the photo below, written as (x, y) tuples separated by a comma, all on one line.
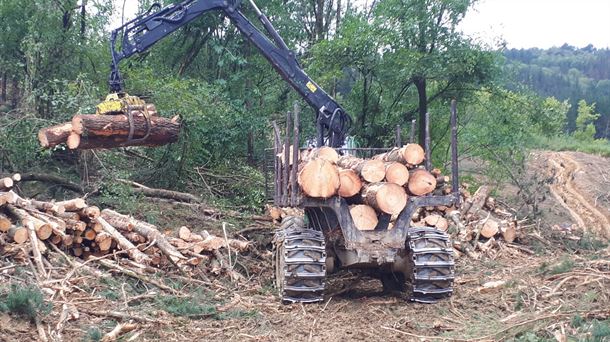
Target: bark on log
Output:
[(410, 154), (167, 194), (43, 229), (89, 213), (145, 229), (318, 178), (386, 197), (350, 183), (509, 232), (54, 135), (76, 204), (476, 202), (371, 170), (107, 131), (64, 183), (364, 217), (327, 153), (396, 173), (18, 234), (123, 243), (421, 182)]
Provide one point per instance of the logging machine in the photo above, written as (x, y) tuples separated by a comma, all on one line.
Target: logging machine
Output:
[(403, 257)]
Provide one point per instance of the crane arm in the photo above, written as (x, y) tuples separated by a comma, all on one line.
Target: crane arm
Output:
[(139, 34)]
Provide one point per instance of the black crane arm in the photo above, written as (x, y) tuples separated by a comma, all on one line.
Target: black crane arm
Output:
[(139, 34)]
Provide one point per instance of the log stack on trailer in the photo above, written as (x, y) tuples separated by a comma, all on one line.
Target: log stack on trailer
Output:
[(372, 186)]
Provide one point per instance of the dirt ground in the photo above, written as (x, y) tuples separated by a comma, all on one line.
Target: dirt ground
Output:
[(555, 286)]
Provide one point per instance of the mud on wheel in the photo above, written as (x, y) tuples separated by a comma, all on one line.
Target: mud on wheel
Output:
[(433, 266), (300, 262)]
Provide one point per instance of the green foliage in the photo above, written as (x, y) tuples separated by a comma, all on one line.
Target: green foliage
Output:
[(183, 306), (569, 143), (566, 265), (26, 301), (585, 128)]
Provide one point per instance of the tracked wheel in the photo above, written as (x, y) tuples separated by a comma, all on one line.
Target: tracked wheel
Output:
[(300, 262), (433, 266)]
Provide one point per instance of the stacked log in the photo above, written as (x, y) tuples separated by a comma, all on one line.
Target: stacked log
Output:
[(91, 131), (83, 230), (377, 186)]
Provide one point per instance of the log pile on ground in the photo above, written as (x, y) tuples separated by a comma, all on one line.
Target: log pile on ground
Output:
[(84, 231), (140, 127)]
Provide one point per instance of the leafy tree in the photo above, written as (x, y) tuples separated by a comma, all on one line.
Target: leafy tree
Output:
[(585, 129)]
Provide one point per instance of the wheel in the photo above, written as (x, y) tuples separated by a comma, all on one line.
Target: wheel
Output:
[(300, 262), (433, 266)]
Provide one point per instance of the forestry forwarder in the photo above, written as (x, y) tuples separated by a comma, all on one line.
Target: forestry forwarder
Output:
[(418, 257)]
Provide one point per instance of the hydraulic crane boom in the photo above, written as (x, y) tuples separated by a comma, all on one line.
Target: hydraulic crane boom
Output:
[(139, 34)]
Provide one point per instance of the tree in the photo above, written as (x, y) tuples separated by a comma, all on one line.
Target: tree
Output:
[(423, 36), (585, 121)]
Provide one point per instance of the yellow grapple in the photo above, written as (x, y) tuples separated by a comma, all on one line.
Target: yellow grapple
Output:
[(118, 104)]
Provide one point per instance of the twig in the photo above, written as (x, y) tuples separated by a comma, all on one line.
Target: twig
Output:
[(424, 338), (121, 315), (111, 265)]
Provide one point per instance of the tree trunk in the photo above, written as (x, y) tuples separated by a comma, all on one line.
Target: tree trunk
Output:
[(421, 182), (123, 243), (6, 184), (327, 153), (75, 204), (371, 170), (18, 234), (364, 217), (318, 178), (410, 154), (350, 183), (420, 84), (386, 197), (5, 223)]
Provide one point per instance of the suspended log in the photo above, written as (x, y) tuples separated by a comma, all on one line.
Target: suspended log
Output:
[(371, 170), (364, 217), (396, 173), (410, 154), (318, 178), (107, 131), (17, 234), (55, 135), (327, 153), (350, 183), (421, 182), (386, 197)]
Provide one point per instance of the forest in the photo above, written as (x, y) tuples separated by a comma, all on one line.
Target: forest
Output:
[(387, 63), (185, 239)]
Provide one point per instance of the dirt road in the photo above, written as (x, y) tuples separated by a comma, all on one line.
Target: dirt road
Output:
[(581, 184)]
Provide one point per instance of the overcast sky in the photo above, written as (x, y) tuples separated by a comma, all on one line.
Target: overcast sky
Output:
[(541, 23), (521, 23)]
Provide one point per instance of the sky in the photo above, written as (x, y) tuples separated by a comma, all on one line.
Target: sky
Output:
[(519, 23), (540, 23)]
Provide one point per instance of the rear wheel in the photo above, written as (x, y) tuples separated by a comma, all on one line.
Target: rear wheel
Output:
[(300, 262), (433, 266)]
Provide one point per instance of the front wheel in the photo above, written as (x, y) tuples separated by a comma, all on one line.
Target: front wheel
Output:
[(300, 262)]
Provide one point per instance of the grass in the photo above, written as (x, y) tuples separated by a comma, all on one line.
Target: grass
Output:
[(599, 147), (24, 301)]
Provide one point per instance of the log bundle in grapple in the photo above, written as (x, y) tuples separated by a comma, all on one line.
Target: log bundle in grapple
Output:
[(374, 186), (139, 127)]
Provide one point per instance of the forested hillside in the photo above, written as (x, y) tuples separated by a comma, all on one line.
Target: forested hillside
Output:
[(567, 73)]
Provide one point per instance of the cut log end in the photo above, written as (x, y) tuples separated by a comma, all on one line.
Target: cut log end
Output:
[(364, 217), (396, 173), (318, 178), (386, 197), (421, 182), (413, 154), (350, 183)]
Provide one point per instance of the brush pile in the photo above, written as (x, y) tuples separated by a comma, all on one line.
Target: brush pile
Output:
[(141, 126), (85, 231)]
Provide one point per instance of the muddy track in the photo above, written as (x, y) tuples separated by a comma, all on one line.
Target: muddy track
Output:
[(576, 186)]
